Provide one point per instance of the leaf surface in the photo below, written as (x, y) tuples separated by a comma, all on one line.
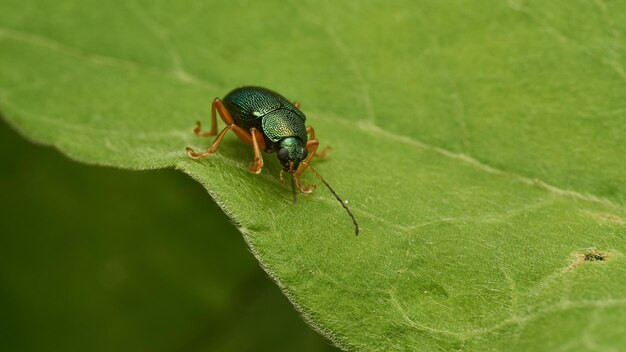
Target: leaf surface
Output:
[(113, 265), (479, 144)]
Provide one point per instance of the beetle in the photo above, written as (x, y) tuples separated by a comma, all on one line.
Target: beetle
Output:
[(272, 124)]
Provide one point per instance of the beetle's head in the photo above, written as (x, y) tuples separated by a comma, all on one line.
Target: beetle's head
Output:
[(291, 152)]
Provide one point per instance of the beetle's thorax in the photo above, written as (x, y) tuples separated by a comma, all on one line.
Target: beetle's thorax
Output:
[(291, 150)]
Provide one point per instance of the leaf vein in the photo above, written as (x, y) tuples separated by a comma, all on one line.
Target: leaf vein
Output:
[(566, 193)]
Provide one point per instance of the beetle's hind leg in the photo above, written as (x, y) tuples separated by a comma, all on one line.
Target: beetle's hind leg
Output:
[(216, 108), (253, 137), (322, 154), (198, 127)]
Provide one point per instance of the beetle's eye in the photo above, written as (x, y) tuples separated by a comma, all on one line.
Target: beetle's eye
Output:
[(283, 154)]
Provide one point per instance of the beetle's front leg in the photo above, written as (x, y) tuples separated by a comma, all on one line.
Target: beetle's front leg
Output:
[(305, 189), (324, 153), (311, 147)]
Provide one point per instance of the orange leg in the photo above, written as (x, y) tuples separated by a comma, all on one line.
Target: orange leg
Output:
[(242, 134), (311, 147), (324, 153), (296, 104), (258, 143), (196, 130), (219, 108), (212, 149), (311, 131), (253, 137)]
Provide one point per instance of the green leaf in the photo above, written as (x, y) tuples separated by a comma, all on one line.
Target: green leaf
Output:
[(479, 144), (113, 265)]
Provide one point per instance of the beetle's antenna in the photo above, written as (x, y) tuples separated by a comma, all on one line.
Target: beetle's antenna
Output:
[(344, 205), (293, 183), (293, 190)]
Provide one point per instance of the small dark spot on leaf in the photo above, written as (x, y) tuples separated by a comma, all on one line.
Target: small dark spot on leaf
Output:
[(594, 255), (588, 255)]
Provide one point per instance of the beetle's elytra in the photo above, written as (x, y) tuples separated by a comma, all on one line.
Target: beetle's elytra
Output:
[(270, 123)]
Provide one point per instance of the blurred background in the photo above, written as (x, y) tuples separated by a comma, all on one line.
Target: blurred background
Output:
[(100, 259)]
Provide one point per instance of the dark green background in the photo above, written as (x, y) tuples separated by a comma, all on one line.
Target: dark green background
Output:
[(99, 259)]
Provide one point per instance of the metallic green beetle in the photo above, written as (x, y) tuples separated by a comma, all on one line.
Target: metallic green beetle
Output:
[(270, 123)]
